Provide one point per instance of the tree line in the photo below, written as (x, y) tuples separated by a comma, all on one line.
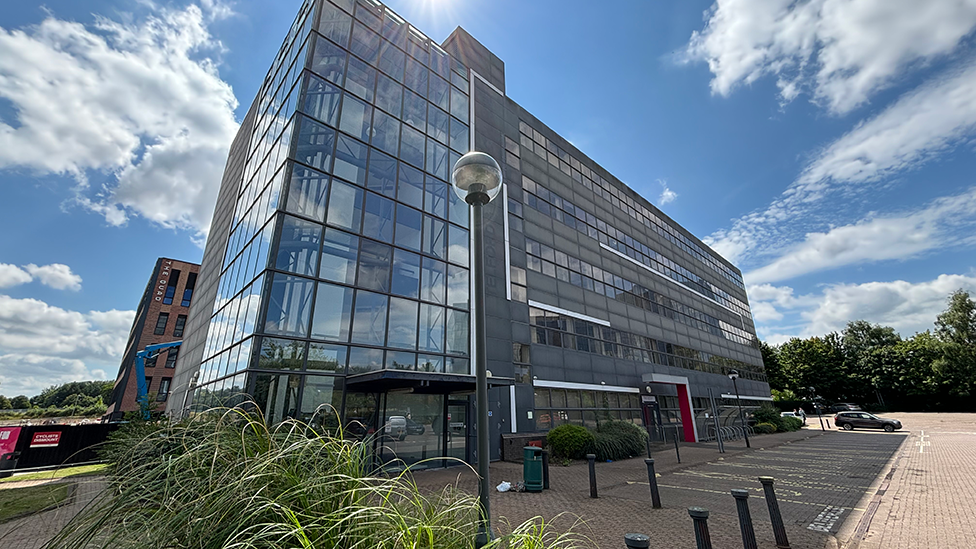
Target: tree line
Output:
[(73, 398), (874, 366)]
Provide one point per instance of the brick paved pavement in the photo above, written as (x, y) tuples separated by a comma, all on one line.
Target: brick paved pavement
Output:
[(929, 496), (820, 478), (34, 531)]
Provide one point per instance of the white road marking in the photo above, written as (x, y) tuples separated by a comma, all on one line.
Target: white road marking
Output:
[(826, 519), (922, 443)]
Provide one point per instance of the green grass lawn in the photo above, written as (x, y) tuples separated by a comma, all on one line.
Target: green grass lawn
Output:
[(64, 472), (15, 502)]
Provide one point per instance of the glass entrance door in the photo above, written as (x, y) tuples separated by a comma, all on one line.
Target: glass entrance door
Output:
[(457, 429)]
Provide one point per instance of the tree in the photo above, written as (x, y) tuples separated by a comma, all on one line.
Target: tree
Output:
[(5, 403), (20, 403), (815, 362), (957, 324), (956, 329), (774, 370), (865, 345)]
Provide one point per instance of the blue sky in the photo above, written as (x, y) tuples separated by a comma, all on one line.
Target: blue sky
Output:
[(824, 146)]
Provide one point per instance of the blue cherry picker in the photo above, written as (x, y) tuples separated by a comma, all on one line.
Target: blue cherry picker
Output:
[(142, 392)]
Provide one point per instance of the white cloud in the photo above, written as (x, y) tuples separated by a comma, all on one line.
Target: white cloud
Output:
[(907, 307), (62, 345), (12, 275), (667, 195), (55, 275), (842, 51), (137, 100), (945, 222)]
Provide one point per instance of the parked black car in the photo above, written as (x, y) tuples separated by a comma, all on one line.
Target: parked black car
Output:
[(414, 428), (863, 420)]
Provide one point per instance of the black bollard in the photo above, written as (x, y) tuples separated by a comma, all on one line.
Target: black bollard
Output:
[(545, 469), (700, 516), (745, 518), (779, 530), (592, 459), (637, 541), (652, 480), (676, 452)]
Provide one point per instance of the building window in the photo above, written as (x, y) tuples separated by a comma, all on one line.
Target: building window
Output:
[(520, 358), (180, 325), (161, 324), (191, 283), (163, 393), (171, 357), (174, 279)]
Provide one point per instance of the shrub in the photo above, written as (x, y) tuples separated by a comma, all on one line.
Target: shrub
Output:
[(764, 428), (790, 423), (617, 439), (767, 414), (570, 441)]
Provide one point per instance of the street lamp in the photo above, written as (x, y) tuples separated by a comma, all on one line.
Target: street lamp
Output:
[(816, 406), (734, 375), (477, 179)]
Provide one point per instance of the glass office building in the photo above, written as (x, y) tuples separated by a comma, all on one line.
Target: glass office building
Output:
[(335, 283)]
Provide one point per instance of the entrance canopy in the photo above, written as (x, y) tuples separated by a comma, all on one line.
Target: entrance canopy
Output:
[(381, 381), (684, 401)]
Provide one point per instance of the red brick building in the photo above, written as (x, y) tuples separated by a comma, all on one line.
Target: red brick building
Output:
[(160, 318)]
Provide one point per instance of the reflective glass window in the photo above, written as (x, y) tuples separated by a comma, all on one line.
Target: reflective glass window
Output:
[(435, 237), (406, 274), (457, 250), (415, 110), (340, 253), (430, 363), (386, 132), (437, 162), (277, 396), (435, 196), (440, 93), (326, 357), (369, 15), (289, 306), (437, 124), (417, 47), (457, 332), (382, 173), (356, 118), (333, 308), (321, 100), (394, 29), (360, 79), (415, 77), (459, 136), (375, 262), (345, 206), (400, 360), (298, 246), (365, 43), (412, 146), (307, 193), (378, 218), (410, 186), (329, 61), (316, 144), (350, 160), (335, 24), (459, 105), (457, 366), (457, 208), (433, 280), (457, 287), (281, 354), (440, 62), (409, 224), (392, 61), (321, 402), (389, 95), (346, 5), (431, 328), (363, 360), (403, 323), (369, 319)]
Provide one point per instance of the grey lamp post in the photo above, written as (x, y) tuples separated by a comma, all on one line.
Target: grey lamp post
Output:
[(734, 375), (816, 406), (477, 179)]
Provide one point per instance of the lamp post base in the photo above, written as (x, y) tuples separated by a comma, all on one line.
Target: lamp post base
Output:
[(483, 537)]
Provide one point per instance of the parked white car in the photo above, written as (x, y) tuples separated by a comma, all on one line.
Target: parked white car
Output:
[(396, 427), (793, 414)]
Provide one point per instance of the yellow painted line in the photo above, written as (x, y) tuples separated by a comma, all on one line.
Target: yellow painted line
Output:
[(754, 489)]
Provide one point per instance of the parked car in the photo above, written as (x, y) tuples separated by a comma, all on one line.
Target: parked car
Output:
[(396, 427), (844, 407), (793, 414), (414, 428), (863, 420)]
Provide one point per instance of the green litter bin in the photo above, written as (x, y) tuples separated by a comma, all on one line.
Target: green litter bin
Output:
[(532, 468)]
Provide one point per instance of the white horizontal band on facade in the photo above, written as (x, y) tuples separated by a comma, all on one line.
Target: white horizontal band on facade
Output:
[(747, 397), (581, 316), (487, 83), (669, 279), (583, 386)]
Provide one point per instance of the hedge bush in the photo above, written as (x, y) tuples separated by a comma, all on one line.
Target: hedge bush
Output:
[(617, 439), (790, 423), (570, 441), (764, 428)]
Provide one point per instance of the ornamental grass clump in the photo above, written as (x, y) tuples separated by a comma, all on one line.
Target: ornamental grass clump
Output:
[(228, 481)]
